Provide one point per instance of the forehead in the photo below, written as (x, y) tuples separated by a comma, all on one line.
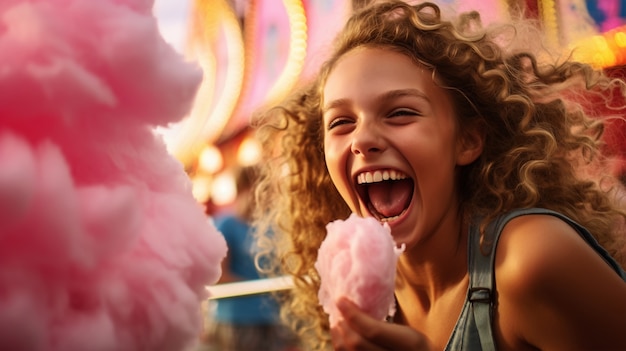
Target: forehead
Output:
[(367, 71)]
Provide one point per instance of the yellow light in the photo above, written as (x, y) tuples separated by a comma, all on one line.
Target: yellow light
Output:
[(249, 152), (297, 51), (223, 189), (201, 188), (595, 51), (620, 39), (210, 160), (233, 77), (547, 10), (213, 23)]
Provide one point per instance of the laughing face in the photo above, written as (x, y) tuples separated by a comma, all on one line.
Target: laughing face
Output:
[(391, 141)]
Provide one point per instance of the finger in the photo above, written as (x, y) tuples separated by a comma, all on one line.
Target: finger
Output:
[(346, 339), (393, 336)]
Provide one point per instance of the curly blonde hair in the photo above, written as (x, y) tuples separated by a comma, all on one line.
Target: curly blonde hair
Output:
[(530, 106)]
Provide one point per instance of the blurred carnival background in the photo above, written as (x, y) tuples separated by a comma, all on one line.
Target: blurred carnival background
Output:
[(253, 52)]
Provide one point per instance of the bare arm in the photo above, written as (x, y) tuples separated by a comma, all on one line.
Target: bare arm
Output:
[(554, 291)]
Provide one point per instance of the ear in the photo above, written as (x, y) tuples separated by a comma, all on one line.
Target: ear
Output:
[(470, 145)]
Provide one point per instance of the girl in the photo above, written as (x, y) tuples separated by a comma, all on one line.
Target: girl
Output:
[(471, 150)]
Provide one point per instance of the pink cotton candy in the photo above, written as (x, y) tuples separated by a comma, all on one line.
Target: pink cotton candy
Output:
[(358, 260), (102, 245)]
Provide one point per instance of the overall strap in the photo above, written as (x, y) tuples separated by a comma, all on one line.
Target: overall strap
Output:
[(482, 275), (481, 267), (481, 286)]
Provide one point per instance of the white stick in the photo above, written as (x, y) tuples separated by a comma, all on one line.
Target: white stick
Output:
[(250, 287)]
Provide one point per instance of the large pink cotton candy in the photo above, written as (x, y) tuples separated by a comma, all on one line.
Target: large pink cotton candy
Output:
[(102, 246), (358, 260)]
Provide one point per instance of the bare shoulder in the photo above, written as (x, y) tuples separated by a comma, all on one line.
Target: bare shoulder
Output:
[(554, 291), (535, 249)]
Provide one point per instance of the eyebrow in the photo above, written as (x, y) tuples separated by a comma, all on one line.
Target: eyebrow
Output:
[(387, 95)]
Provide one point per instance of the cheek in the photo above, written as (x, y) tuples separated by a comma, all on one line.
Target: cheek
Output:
[(332, 152), (336, 164), (333, 163)]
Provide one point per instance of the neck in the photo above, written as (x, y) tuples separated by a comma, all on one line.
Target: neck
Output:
[(433, 267)]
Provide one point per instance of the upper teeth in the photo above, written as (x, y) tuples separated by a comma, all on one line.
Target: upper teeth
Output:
[(379, 176)]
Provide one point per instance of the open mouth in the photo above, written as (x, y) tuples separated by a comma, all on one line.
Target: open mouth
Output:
[(387, 193)]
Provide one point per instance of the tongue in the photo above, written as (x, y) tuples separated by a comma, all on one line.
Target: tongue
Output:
[(390, 198)]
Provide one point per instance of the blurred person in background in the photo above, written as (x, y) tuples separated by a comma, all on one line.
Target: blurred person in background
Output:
[(250, 322)]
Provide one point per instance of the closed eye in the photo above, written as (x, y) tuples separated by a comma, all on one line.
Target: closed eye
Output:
[(336, 122), (404, 112)]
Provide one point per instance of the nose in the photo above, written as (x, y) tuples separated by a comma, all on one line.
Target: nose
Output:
[(367, 140)]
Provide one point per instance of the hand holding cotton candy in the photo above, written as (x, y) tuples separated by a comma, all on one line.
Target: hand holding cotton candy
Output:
[(358, 260)]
